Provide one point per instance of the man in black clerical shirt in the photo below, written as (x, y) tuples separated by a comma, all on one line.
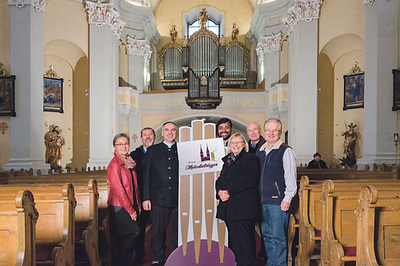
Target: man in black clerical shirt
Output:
[(160, 191)]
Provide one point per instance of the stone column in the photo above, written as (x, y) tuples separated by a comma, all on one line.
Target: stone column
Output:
[(303, 54), (381, 55), (104, 33), (27, 149)]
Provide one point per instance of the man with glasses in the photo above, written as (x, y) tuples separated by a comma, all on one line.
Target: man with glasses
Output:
[(255, 138), (160, 191), (277, 188)]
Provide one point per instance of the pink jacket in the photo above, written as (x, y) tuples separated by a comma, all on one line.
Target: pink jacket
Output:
[(121, 187)]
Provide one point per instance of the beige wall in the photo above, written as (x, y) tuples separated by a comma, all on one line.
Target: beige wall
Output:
[(5, 59), (341, 44), (171, 12), (66, 47)]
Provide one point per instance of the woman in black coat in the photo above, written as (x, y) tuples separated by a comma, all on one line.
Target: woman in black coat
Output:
[(238, 194)]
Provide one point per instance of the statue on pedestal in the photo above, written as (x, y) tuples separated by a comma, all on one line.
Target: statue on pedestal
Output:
[(350, 137), (54, 140)]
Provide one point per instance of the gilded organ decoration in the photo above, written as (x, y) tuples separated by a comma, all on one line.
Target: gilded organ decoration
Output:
[(203, 17), (203, 64), (235, 32), (173, 33)]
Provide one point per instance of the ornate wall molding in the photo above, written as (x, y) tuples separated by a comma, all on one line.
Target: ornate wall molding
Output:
[(138, 48), (105, 14), (38, 5), (269, 44), (305, 10)]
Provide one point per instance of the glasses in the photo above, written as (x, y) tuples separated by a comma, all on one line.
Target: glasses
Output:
[(272, 131), (122, 144), (236, 142)]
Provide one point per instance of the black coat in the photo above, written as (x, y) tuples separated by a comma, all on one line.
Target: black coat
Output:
[(161, 176), (241, 181), (139, 155), (258, 145)]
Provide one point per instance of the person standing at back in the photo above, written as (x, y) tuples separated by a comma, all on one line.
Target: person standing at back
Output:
[(147, 136), (277, 187), (224, 129), (160, 191), (255, 138)]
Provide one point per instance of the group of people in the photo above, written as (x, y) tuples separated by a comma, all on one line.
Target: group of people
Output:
[(256, 184)]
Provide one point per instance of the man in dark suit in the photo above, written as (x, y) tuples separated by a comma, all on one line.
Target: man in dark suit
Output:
[(147, 136), (255, 142), (224, 129), (160, 191), (254, 133)]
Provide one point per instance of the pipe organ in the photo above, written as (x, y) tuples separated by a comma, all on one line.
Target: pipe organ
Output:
[(203, 65)]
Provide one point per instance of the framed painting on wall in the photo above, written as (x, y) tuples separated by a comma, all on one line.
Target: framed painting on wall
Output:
[(7, 95), (396, 89), (353, 91), (53, 94)]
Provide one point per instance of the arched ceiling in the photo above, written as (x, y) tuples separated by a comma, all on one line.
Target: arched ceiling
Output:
[(156, 3)]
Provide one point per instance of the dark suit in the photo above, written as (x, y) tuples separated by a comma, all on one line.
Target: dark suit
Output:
[(139, 155), (260, 142), (161, 187), (240, 179)]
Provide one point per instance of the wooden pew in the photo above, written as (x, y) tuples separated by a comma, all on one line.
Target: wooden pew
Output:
[(56, 223), (378, 223), (347, 174), (18, 217), (310, 209), (339, 230), (102, 221)]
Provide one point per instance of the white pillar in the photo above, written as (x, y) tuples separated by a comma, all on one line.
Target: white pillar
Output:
[(303, 53), (103, 58), (381, 55), (27, 149), (136, 72)]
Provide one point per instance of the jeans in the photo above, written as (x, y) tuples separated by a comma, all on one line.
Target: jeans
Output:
[(274, 230)]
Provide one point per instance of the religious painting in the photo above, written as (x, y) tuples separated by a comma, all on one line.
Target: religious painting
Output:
[(396, 89), (7, 95), (353, 91), (53, 94)]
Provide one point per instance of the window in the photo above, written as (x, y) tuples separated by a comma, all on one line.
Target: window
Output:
[(210, 25)]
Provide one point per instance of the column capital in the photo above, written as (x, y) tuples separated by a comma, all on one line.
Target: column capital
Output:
[(105, 14), (138, 48), (269, 44), (305, 10), (38, 5)]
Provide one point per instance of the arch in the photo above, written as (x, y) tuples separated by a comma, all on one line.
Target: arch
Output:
[(341, 45), (216, 15), (67, 50)]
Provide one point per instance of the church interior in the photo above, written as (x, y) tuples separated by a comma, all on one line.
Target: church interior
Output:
[(92, 69)]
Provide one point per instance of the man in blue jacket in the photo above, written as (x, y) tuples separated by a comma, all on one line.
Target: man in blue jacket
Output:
[(277, 188)]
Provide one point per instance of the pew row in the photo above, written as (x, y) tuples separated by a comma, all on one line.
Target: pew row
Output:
[(102, 222), (55, 225), (339, 231), (312, 226), (378, 223), (18, 217), (323, 174)]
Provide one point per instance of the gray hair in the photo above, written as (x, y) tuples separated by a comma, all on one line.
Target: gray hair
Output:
[(120, 135)]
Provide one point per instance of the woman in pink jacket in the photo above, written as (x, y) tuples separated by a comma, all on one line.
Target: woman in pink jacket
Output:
[(123, 200)]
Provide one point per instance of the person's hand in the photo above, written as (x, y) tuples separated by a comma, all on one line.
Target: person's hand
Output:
[(285, 206), (146, 205), (134, 216), (223, 195)]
